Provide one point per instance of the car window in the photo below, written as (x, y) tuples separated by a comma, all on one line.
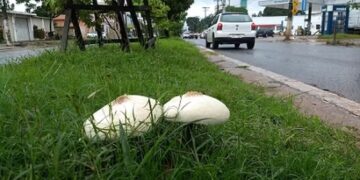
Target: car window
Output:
[(214, 21), (235, 18)]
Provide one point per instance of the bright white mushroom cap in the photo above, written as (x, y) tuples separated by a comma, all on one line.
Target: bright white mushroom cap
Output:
[(135, 113), (196, 107)]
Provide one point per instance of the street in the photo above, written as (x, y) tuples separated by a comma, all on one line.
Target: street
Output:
[(7, 55), (331, 68)]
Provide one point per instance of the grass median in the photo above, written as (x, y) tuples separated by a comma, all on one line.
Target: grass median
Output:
[(340, 36), (45, 100)]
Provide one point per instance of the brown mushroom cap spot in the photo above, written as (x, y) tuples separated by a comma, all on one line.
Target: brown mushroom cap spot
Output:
[(193, 93), (121, 99)]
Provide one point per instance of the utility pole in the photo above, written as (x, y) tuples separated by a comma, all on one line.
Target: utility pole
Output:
[(217, 7), (223, 5), (289, 21), (205, 10), (309, 20)]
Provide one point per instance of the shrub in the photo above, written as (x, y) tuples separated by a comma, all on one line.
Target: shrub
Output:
[(39, 33)]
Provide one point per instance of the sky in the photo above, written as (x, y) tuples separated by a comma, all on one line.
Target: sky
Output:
[(197, 10), (18, 7)]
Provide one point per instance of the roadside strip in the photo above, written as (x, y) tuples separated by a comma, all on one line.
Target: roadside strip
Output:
[(5, 48), (344, 112)]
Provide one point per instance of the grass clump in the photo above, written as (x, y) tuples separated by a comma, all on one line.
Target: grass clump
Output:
[(45, 100), (340, 36)]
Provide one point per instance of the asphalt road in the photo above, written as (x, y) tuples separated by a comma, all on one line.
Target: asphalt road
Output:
[(8, 55), (332, 68)]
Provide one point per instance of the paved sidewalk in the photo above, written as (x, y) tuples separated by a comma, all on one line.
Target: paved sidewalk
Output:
[(3, 47), (15, 53)]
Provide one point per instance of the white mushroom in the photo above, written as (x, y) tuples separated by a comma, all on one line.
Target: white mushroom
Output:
[(135, 113), (196, 107)]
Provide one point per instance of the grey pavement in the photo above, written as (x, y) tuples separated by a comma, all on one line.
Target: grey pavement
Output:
[(331, 68), (10, 55)]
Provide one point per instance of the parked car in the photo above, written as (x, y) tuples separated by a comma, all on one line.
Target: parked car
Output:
[(203, 34), (264, 33), (231, 28), (185, 35), (94, 35), (196, 35)]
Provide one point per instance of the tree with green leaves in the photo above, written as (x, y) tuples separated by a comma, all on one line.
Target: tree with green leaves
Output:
[(236, 9), (176, 15), (269, 11), (205, 22), (193, 24), (354, 5), (5, 6), (159, 12)]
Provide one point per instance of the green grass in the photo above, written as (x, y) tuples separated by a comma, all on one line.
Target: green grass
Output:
[(44, 102), (340, 36)]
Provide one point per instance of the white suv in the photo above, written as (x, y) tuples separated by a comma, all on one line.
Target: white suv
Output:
[(231, 28)]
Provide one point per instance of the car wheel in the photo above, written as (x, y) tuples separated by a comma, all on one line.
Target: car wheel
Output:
[(251, 44), (215, 44), (207, 44), (237, 45)]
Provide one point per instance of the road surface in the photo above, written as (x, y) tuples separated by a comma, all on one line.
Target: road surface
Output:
[(332, 68), (8, 55)]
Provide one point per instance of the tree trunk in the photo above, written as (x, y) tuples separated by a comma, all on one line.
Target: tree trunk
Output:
[(124, 37), (5, 23), (289, 21), (50, 25), (98, 26), (75, 22), (135, 22)]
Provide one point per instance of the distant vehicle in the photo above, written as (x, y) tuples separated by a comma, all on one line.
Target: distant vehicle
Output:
[(231, 28), (94, 35), (187, 35), (264, 33), (203, 34), (196, 35)]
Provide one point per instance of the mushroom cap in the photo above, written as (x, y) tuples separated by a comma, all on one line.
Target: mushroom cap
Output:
[(135, 113), (196, 107)]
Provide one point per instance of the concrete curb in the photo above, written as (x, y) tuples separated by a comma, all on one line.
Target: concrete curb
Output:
[(349, 105)]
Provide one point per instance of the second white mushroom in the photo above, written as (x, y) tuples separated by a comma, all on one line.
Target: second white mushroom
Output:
[(197, 108)]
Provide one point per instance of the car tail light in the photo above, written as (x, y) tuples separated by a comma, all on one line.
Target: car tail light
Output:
[(253, 26), (219, 26)]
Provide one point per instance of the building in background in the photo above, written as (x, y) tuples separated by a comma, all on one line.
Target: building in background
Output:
[(338, 13), (243, 3), (59, 22), (278, 23), (332, 12), (23, 25), (110, 28)]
